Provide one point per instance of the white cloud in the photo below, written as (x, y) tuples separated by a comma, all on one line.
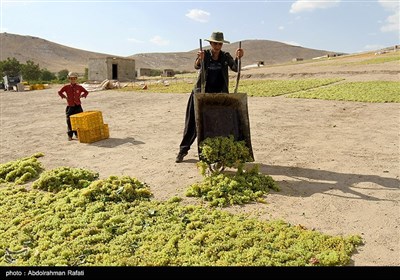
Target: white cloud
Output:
[(198, 15), (159, 41), (392, 22), (281, 27), (390, 5), (310, 5)]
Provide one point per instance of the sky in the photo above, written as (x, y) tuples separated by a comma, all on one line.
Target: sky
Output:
[(124, 28)]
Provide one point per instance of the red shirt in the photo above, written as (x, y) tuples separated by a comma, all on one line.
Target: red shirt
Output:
[(74, 93)]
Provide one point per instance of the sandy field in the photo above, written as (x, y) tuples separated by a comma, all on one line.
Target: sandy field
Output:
[(337, 163)]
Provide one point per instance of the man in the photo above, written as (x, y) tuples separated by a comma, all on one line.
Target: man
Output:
[(216, 78)]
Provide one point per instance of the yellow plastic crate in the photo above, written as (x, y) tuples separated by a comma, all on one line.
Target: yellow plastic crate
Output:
[(37, 86), (87, 120), (94, 134)]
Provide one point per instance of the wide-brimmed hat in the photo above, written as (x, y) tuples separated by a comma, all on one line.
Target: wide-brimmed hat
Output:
[(72, 74), (217, 37)]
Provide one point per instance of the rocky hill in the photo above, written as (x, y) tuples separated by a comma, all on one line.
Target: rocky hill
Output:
[(56, 57)]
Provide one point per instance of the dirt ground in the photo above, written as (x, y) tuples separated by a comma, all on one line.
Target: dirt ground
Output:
[(337, 163)]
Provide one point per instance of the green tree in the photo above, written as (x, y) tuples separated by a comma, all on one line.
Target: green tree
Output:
[(47, 76), (86, 76), (10, 67), (31, 71), (62, 75), (155, 72)]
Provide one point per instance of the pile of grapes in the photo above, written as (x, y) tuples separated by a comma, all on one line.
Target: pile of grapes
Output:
[(89, 221), (65, 178), (224, 189), (22, 170), (220, 152)]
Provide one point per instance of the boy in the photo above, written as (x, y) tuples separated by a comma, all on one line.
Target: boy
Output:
[(73, 93)]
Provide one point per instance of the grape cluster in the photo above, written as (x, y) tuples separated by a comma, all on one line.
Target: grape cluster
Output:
[(221, 151), (224, 189), (22, 170), (63, 178), (116, 189)]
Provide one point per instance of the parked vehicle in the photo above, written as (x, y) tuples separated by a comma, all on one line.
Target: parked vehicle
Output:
[(11, 81)]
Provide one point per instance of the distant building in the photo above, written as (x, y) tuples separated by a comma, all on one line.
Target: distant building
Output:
[(297, 59), (144, 72), (168, 73), (332, 55), (111, 68)]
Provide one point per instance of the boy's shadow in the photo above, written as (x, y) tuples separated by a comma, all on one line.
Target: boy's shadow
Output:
[(304, 182)]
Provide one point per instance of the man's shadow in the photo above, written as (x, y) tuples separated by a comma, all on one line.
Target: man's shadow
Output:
[(304, 182), (114, 142)]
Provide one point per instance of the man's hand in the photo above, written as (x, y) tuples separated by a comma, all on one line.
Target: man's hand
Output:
[(239, 53)]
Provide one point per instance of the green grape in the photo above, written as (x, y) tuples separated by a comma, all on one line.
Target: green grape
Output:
[(88, 221), (64, 178), (22, 170)]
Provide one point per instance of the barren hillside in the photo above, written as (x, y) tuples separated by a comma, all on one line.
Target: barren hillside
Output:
[(367, 66), (56, 57), (49, 55)]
